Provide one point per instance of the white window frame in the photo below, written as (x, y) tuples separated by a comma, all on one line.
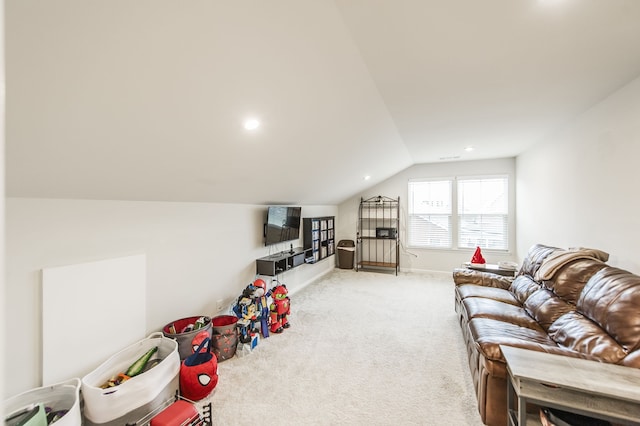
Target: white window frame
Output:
[(456, 221), (430, 218), (491, 218)]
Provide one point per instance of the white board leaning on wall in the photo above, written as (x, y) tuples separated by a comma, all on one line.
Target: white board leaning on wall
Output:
[(89, 312)]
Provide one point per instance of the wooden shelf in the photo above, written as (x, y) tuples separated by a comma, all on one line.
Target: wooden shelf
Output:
[(378, 238), (377, 264)]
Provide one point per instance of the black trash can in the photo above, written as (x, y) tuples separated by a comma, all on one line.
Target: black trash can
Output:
[(346, 252)]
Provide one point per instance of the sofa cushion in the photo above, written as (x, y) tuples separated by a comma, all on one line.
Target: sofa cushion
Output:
[(632, 360), (569, 280), (535, 257), (500, 294), (479, 307), (545, 307), (489, 334), (522, 287), (611, 299), (481, 278), (578, 333)]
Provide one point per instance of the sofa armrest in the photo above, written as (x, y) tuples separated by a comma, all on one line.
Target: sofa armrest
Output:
[(487, 279)]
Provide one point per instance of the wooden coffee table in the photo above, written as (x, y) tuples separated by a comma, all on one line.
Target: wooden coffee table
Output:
[(597, 389)]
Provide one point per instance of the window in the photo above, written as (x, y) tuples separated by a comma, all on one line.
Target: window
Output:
[(483, 213), (430, 212), (481, 206)]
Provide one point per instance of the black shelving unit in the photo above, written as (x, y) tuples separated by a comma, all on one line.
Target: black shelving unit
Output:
[(278, 263), (378, 243), (319, 236)]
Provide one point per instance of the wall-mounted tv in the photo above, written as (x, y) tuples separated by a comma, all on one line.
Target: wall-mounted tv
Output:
[(283, 224)]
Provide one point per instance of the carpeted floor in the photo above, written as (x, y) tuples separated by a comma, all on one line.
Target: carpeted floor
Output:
[(364, 348)]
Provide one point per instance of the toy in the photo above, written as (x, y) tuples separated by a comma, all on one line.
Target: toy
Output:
[(198, 339), (245, 311), (262, 305), (199, 373), (249, 309), (134, 369), (280, 308)]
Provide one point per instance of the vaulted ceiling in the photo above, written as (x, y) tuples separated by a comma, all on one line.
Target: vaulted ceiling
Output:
[(145, 100)]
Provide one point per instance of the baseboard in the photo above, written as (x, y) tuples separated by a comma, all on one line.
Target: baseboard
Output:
[(425, 271), (310, 281)]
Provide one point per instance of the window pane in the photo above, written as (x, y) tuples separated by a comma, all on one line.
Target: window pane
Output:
[(430, 231), (483, 213), (430, 197), (430, 214), (486, 231), (483, 196)]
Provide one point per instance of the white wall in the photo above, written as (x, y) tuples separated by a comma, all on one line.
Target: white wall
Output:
[(2, 193), (412, 259), (196, 254), (580, 187)]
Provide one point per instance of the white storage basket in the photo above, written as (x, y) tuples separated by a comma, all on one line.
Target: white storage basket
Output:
[(106, 405), (60, 396)]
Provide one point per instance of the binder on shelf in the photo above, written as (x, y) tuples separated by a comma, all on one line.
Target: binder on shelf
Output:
[(318, 236)]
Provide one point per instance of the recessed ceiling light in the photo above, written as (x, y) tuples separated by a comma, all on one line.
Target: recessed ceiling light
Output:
[(251, 124), (468, 148), (367, 177)]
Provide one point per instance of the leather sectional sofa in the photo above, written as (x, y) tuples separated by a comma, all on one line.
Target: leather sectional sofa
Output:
[(567, 302)]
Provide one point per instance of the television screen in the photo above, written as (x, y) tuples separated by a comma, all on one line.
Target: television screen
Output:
[(283, 224)]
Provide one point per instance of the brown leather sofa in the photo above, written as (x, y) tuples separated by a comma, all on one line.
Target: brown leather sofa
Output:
[(565, 302)]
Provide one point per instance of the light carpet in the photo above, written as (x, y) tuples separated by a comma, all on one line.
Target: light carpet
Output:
[(364, 348)]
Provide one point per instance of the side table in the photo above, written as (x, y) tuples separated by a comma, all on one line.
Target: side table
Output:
[(490, 267), (597, 389)]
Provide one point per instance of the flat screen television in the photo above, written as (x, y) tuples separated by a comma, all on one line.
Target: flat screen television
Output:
[(283, 224)]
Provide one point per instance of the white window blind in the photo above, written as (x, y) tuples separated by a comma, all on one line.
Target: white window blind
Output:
[(430, 212), (483, 213)]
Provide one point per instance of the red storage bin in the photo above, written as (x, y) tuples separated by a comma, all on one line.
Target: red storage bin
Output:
[(180, 413)]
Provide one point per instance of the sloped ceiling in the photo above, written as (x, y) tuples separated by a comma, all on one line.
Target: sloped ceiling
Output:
[(144, 100)]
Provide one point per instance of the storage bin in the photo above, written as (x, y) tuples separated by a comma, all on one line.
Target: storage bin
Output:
[(185, 340), (60, 396), (199, 373), (177, 414), (32, 415), (133, 399), (224, 336), (346, 252)]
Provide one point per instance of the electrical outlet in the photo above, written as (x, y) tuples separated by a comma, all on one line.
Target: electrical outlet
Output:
[(219, 304)]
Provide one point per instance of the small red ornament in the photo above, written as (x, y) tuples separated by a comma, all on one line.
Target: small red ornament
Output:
[(477, 257)]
